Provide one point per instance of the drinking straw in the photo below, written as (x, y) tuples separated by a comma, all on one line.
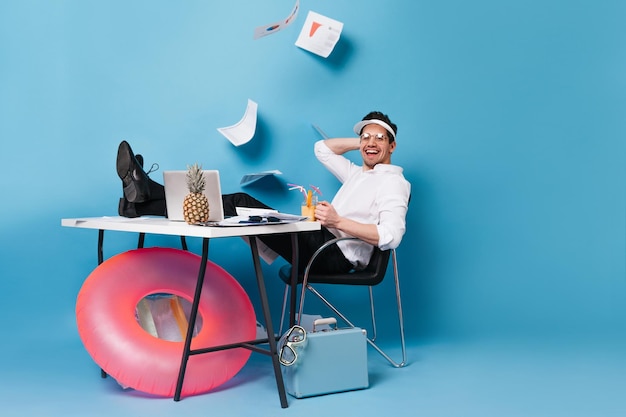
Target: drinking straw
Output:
[(308, 195), (317, 190), (298, 187)]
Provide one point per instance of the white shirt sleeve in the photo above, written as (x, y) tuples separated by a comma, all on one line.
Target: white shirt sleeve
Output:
[(392, 207), (338, 165)]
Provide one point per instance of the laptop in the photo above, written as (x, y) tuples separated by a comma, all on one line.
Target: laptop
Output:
[(175, 183)]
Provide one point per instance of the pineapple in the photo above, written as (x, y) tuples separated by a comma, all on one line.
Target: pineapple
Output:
[(195, 205)]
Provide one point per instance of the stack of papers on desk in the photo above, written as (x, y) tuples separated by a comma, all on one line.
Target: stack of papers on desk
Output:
[(251, 211), (258, 220), (256, 217), (283, 217)]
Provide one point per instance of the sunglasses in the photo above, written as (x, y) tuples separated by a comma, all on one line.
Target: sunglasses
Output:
[(261, 219)]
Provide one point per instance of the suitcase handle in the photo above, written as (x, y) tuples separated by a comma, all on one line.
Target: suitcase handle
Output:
[(321, 322)]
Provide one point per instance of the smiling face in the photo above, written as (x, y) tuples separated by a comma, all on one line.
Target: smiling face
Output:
[(375, 146)]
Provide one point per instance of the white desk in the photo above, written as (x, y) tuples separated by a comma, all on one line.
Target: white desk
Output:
[(162, 226)]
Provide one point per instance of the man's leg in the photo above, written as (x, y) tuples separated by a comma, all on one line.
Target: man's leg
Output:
[(331, 260), (230, 201)]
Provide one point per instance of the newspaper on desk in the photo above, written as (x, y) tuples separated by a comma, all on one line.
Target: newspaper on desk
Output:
[(261, 219), (255, 220), (255, 217)]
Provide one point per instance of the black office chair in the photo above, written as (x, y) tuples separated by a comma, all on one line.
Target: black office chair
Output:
[(372, 275)]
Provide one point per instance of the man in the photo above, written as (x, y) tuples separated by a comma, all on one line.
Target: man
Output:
[(373, 199), (370, 205)]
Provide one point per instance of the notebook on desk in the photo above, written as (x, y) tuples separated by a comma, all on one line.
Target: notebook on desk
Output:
[(175, 183)]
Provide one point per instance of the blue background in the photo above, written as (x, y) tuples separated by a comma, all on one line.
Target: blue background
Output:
[(511, 131)]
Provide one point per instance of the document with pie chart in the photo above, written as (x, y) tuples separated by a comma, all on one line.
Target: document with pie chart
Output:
[(319, 34)]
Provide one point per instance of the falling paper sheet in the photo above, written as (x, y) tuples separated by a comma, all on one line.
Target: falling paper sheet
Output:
[(250, 178), (243, 131), (262, 31), (320, 131), (319, 34)]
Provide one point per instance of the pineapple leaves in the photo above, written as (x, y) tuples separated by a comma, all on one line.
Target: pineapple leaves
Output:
[(195, 179)]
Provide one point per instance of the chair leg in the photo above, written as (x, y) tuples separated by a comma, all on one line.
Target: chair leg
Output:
[(282, 314), (400, 321), (400, 317), (330, 306), (372, 313)]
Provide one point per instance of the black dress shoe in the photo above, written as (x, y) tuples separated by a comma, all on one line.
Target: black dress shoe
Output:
[(157, 191), (135, 181), (155, 206)]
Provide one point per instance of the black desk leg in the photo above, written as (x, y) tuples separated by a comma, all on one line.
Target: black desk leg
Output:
[(192, 318), (141, 240), (268, 323), (294, 280), (100, 245), (103, 374)]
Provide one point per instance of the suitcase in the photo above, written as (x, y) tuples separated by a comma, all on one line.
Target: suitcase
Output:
[(332, 360)]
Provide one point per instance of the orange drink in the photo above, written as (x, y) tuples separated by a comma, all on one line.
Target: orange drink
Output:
[(308, 206)]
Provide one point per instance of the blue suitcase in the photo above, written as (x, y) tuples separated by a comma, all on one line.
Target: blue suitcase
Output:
[(332, 360)]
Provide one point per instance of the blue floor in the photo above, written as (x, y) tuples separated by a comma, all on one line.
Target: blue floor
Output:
[(54, 376)]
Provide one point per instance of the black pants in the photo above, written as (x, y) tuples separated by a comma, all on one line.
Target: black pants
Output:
[(330, 261)]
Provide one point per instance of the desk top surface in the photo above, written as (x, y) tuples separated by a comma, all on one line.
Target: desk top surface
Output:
[(163, 226)]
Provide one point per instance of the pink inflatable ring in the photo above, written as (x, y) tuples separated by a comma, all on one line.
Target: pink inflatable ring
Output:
[(105, 314)]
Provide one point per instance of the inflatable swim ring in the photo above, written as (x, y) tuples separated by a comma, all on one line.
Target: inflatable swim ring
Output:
[(107, 324)]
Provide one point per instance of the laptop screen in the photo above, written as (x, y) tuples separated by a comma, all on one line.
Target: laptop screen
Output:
[(175, 183)]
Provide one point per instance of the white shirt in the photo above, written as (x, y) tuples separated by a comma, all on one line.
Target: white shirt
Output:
[(378, 196)]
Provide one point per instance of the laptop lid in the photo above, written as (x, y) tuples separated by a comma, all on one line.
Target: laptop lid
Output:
[(175, 183)]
